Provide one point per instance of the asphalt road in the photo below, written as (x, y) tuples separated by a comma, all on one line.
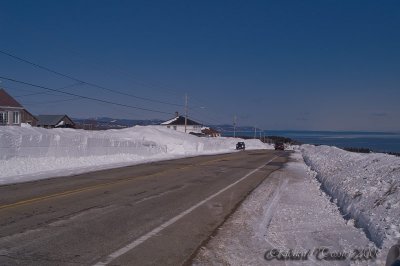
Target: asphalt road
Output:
[(151, 214)]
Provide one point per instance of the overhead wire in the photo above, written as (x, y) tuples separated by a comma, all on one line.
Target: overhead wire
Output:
[(161, 87), (85, 82), (52, 102), (80, 81), (84, 97), (46, 92)]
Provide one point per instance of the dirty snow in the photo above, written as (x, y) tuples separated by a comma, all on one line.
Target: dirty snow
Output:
[(30, 153), (287, 211)]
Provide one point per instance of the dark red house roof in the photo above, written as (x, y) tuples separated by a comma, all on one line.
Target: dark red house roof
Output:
[(7, 101)]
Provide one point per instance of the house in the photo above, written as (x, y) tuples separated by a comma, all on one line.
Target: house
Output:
[(28, 118), (178, 123), (12, 113), (55, 121), (210, 132)]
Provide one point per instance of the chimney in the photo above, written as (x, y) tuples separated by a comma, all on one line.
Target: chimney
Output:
[(176, 114)]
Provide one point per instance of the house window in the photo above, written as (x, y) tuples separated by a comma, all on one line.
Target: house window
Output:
[(4, 118), (16, 118)]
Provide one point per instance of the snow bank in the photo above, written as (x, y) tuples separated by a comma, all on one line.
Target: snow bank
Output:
[(365, 186), (29, 153), (288, 211)]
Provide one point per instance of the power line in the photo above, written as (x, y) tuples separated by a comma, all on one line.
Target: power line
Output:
[(84, 82), (186, 112), (146, 84), (30, 94), (80, 82), (84, 97), (45, 92), (215, 111), (211, 119), (98, 86), (52, 102), (98, 61)]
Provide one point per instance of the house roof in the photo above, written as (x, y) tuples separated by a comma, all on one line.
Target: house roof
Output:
[(50, 120), (180, 120), (7, 101)]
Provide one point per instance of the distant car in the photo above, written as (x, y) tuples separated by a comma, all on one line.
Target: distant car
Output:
[(240, 146), (279, 146)]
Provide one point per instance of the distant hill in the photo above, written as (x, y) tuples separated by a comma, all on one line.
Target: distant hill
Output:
[(101, 123), (229, 128)]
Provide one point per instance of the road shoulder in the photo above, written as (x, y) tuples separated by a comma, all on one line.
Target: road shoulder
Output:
[(288, 211)]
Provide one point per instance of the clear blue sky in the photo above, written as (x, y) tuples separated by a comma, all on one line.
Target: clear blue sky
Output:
[(314, 65)]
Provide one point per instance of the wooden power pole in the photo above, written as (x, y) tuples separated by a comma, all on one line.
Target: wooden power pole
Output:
[(186, 110), (234, 126)]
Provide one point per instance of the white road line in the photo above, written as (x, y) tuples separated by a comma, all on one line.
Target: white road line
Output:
[(158, 229)]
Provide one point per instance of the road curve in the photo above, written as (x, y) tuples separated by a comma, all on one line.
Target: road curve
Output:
[(156, 213)]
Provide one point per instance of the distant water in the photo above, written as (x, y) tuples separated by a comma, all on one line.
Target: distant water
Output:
[(376, 141)]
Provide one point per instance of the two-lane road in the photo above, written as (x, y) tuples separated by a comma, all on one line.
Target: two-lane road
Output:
[(151, 214)]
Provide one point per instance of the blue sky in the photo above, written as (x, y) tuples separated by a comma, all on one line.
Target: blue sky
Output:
[(308, 65)]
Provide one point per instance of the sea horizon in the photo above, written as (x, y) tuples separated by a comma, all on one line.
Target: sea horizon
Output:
[(377, 141)]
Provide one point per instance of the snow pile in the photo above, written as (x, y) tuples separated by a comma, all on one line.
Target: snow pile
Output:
[(29, 153), (288, 211), (365, 186)]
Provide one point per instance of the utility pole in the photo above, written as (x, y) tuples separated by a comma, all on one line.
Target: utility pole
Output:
[(255, 131), (186, 110), (260, 134), (234, 126)]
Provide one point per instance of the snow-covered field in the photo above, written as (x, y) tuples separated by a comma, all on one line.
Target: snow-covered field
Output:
[(30, 153), (365, 186)]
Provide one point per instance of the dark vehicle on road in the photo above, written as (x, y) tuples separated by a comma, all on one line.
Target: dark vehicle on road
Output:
[(279, 146), (240, 146)]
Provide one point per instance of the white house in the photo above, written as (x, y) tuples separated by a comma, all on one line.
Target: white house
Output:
[(178, 123)]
